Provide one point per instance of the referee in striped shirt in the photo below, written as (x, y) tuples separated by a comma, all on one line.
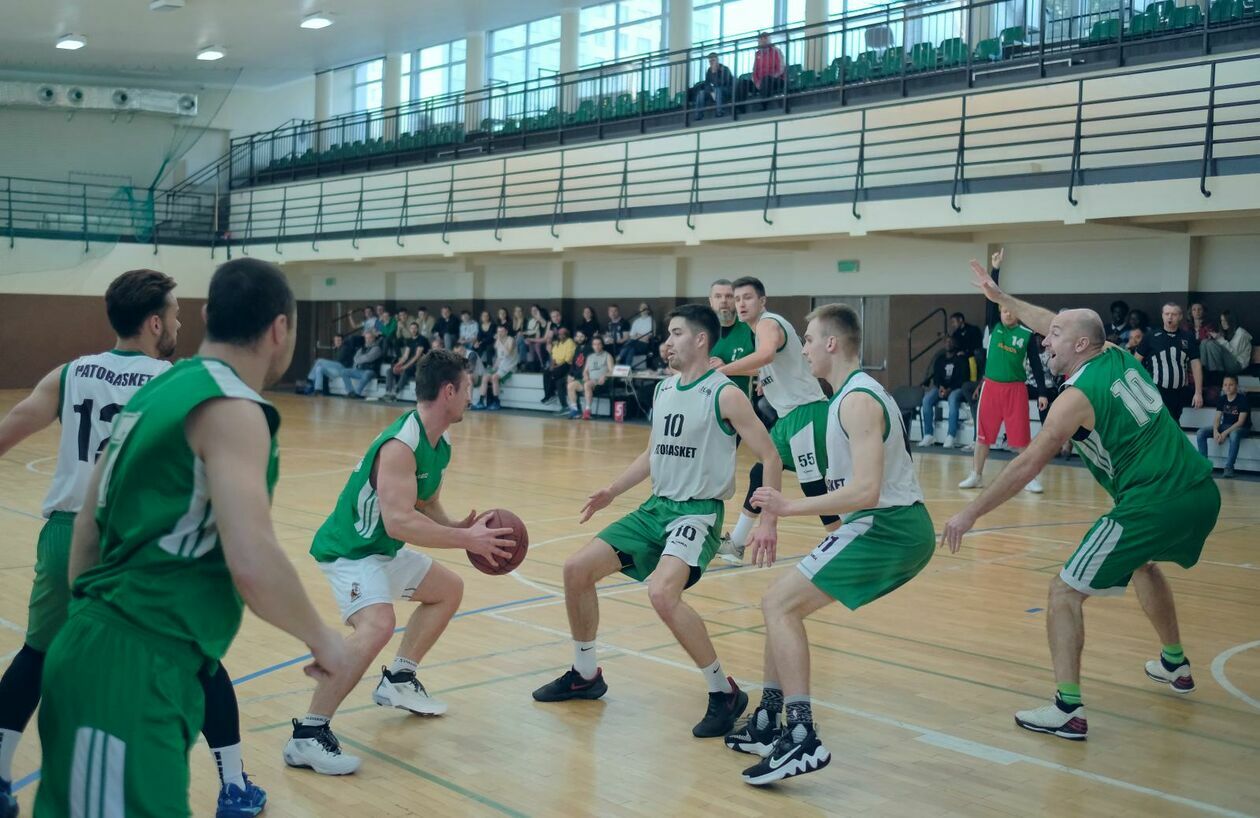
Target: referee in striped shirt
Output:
[(1172, 356)]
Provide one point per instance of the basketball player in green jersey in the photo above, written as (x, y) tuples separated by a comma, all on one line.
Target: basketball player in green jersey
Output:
[(669, 540), (393, 498), (885, 541), (177, 532), (1165, 501), (800, 432), (85, 395), (736, 338)]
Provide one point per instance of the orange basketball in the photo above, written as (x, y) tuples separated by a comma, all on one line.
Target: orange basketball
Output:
[(502, 518)]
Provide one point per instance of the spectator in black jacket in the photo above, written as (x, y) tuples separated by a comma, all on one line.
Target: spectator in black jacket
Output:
[(716, 88), (446, 327), (950, 371), (1119, 321), (589, 325)]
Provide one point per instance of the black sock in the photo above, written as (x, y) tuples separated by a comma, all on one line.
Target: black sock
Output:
[(222, 723), (19, 689), (799, 711), (771, 700)]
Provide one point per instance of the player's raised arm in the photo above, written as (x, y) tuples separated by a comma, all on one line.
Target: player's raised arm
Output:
[(232, 439), (34, 412), (1035, 318), (770, 339), (635, 473), (738, 411)]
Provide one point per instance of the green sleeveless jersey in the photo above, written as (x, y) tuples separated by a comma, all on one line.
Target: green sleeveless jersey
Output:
[(161, 566), (355, 530), (1136, 450), (736, 341), (1008, 347)]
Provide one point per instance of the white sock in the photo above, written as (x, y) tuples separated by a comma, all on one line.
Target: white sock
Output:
[(743, 528), (716, 679), (402, 664), (231, 768), (8, 746), (313, 720), (584, 658)]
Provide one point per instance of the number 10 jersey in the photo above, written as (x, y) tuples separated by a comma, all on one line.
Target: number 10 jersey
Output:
[(693, 448), (94, 389)]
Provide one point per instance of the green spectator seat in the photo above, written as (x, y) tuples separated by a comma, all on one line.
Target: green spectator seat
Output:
[(923, 57), (894, 60), (679, 101), (1104, 31), (625, 105), (953, 52), (988, 50), (1187, 17), (1015, 35)]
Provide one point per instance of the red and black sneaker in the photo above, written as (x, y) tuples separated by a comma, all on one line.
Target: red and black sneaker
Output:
[(1175, 676), (572, 686), (724, 710), (1058, 719)]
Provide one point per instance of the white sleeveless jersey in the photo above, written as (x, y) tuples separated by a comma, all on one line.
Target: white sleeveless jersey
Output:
[(901, 485), (94, 388), (693, 449), (786, 381)]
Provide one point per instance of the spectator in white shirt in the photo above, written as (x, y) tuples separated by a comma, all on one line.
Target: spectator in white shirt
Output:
[(1229, 350), (595, 373), (641, 331), (467, 330)]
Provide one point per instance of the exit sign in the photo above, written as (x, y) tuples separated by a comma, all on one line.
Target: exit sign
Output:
[(330, 282), (848, 265)]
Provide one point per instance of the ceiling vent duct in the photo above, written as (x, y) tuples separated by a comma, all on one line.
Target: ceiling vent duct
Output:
[(98, 98)]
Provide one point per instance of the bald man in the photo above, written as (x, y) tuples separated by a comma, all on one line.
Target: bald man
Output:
[(1166, 503)]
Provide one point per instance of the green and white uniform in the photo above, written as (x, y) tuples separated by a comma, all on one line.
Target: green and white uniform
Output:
[(736, 341), (363, 563), (692, 459), (158, 610), (800, 432), (1166, 503), (93, 390), (875, 550)]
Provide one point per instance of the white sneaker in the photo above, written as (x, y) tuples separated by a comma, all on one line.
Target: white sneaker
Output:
[(1179, 678), (1034, 486), (972, 482), (403, 691), (316, 748), (949, 442), (928, 440), (1053, 719), (729, 552)]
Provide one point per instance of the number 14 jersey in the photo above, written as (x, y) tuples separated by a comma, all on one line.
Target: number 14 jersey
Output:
[(94, 389), (693, 448)]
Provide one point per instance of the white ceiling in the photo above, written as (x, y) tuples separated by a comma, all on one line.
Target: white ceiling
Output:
[(263, 41)]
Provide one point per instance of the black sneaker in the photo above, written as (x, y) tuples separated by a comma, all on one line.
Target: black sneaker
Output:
[(796, 752), (572, 686), (724, 709), (755, 734)]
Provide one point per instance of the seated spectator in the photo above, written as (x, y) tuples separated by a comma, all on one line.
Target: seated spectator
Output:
[(438, 342), (505, 359), (467, 330), (484, 343), (769, 73), (532, 344), (949, 373), (662, 358), (714, 89), (554, 323), (563, 350), (403, 320), (425, 321), (1136, 336), (518, 322), (502, 319), (446, 327), (616, 330), (327, 368), (967, 338), (409, 354), (1197, 322), (369, 320), (594, 373), (588, 326), (1137, 320), (1232, 423), (1229, 350), (1119, 321), (366, 367), (640, 335)]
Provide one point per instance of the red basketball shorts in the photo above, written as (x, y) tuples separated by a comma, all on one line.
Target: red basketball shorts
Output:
[(1003, 403)]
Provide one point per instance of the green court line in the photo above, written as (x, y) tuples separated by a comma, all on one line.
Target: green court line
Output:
[(435, 779)]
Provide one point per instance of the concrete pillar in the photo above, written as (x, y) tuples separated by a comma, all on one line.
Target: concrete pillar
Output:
[(476, 108), (323, 107), (815, 56), (391, 94), (570, 33), (679, 27)]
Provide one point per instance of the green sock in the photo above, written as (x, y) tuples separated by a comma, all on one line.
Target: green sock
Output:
[(1070, 693), (1173, 654)]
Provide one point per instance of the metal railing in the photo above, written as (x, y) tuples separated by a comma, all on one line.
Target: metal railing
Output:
[(829, 64)]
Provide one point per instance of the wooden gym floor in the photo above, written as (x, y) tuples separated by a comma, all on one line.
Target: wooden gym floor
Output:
[(914, 694)]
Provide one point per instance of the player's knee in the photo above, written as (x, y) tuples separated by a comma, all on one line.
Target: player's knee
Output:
[(375, 624), (577, 571), (755, 476), (1063, 594), (664, 599), (452, 589), (774, 603)]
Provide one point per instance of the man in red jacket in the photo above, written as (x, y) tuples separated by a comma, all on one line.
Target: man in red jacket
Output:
[(768, 69)]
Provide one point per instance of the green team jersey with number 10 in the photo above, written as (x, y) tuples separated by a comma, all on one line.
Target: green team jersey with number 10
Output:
[(736, 341), (1136, 450), (162, 568), (355, 530)]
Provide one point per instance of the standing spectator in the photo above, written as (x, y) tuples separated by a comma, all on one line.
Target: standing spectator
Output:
[(589, 325), (563, 349), (369, 320), (531, 341), (366, 365), (1119, 321), (1197, 323), (640, 335), (1003, 397), (594, 373), (518, 322), (425, 321), (409, 354), (768, 70), (1232, 422), (716, 87), (484, 344), (949, 372), (1137, 320), (1136, 336), (616, 330), (467, 330), (387, 326), (1228, 350), (446, 327), (1171, 355), (326, 369), (502, 319), (505, 359)]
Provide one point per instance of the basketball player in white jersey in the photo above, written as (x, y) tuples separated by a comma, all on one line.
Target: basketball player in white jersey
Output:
[(85, 395), (885, 540), (797, 398), (669, 540)]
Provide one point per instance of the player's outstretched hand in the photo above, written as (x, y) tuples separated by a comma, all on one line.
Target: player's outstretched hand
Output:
[(764, 543), (716, 363), (329, 656), (957, 526), (492, 543), (982, 279), (996, 259), (594, 503), (771, 500)]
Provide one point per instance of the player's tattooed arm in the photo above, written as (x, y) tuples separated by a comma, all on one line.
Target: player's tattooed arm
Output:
[(34, 412)]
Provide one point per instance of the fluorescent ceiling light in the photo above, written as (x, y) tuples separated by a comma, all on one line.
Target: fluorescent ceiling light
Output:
[(317, 20), (211, 53), (71, 42)]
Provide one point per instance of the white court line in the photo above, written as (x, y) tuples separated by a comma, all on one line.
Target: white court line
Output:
[(1218, 671), (927, 735), (13, 626)]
